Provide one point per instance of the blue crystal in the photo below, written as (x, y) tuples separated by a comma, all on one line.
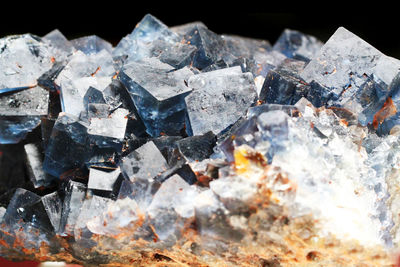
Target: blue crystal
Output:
[(297, 45), (29, 207), (91, 44), (14, 129), (218, 100), (158, 94), (348, 72), (75, 193), (283, 84), (270, 127), (63, 48), (197, 148), (34, 162), (243, 47), (138, 44), (210, 46), (47, 80), (66, 149), (145, 163), (177, 55), (31, 58)]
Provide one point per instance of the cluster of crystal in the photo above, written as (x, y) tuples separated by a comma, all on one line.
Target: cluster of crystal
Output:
[(183, 146)]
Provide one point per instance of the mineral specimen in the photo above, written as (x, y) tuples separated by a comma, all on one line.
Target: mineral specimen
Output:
[(183, 147)]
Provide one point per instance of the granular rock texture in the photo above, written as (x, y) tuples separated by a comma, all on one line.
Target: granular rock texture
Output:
[(183, 147)]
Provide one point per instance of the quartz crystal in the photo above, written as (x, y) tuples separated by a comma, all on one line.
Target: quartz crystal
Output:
[(184, 147)]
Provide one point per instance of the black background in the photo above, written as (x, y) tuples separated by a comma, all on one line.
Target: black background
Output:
[(112, 20)]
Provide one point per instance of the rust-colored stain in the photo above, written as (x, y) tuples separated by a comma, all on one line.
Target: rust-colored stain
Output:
[(95, 72), (387, 111)]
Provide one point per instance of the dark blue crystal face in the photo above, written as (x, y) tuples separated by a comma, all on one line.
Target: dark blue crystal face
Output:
[(158, 92), (66, 149)]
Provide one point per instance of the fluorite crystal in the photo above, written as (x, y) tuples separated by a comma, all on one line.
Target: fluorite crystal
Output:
[(183, 147)]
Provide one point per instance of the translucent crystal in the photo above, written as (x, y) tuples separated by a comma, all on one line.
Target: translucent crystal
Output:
[(114, 126), (53, 205), (14, 129), (283, 84), (61, 48), (158, 94), (297, 45), (137, 45), (90, 209), (29, 207), (91, 44), (74, 91), (34, 160), (218, 99), (66, 149), (210, 46), (23, 59), (32, 101), (145, 163), (345, 65), (74, 197), (102, 180), (81, 65)]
